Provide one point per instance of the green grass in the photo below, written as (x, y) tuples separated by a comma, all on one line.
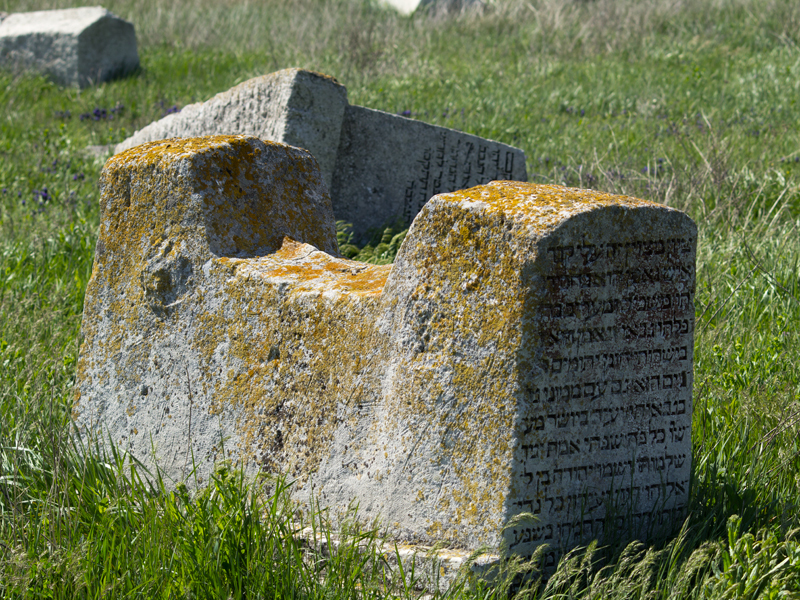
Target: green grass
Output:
[(695, 104)]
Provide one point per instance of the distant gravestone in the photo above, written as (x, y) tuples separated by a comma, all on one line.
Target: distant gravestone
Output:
[(74, 46), (407, 7), (379, 167), (530, 350)]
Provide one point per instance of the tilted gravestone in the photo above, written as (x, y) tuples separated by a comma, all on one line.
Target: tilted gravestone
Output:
[(294, 107), (74, 46), (379, 167), (530, 350)]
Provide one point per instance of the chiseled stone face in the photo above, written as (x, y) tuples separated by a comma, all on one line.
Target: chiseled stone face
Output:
[(292, 106), (389, 166), (530, 351), (73, 46)]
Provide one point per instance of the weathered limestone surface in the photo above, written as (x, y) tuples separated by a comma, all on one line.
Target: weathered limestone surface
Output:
[(529, 351), (294, 107), (73, 46), (174, 333), (379, 167)]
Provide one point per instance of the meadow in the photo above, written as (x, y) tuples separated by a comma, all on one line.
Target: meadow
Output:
[(692, 103)]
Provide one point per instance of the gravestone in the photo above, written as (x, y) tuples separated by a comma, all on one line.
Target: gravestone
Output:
[(530, 350), (389, 166), (295, 107), (74, 46), (437, 7), (380, 168)]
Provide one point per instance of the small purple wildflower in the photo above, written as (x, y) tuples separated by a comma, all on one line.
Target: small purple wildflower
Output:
[(42, 194), (406, 113), (102, 114), (165, 110), (5, 190), (78, 177)]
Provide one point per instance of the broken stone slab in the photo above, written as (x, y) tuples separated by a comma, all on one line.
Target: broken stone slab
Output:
[(74, 46), (529, 352), (380, 168), (434, 569), (295, 107)]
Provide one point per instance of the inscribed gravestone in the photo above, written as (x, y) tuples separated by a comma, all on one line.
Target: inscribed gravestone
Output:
[(379, 167), (389, 166), (541, 362), (529, 351), (73, 46)]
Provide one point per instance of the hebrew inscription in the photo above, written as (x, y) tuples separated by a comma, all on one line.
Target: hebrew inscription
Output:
[(388, 166), (605, 430), (455, 162)]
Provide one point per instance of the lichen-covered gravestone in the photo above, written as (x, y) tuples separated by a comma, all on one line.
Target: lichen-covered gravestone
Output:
[(73, 46), (379, 167), (530, 351)]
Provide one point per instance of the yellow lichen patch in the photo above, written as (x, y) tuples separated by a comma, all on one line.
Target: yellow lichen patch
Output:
[(539, 206), (309, 270), (242, 183), (456, 393), (164, 152), (295, 363)]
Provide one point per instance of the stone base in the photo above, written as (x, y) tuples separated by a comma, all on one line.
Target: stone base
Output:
[(434, 569)]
